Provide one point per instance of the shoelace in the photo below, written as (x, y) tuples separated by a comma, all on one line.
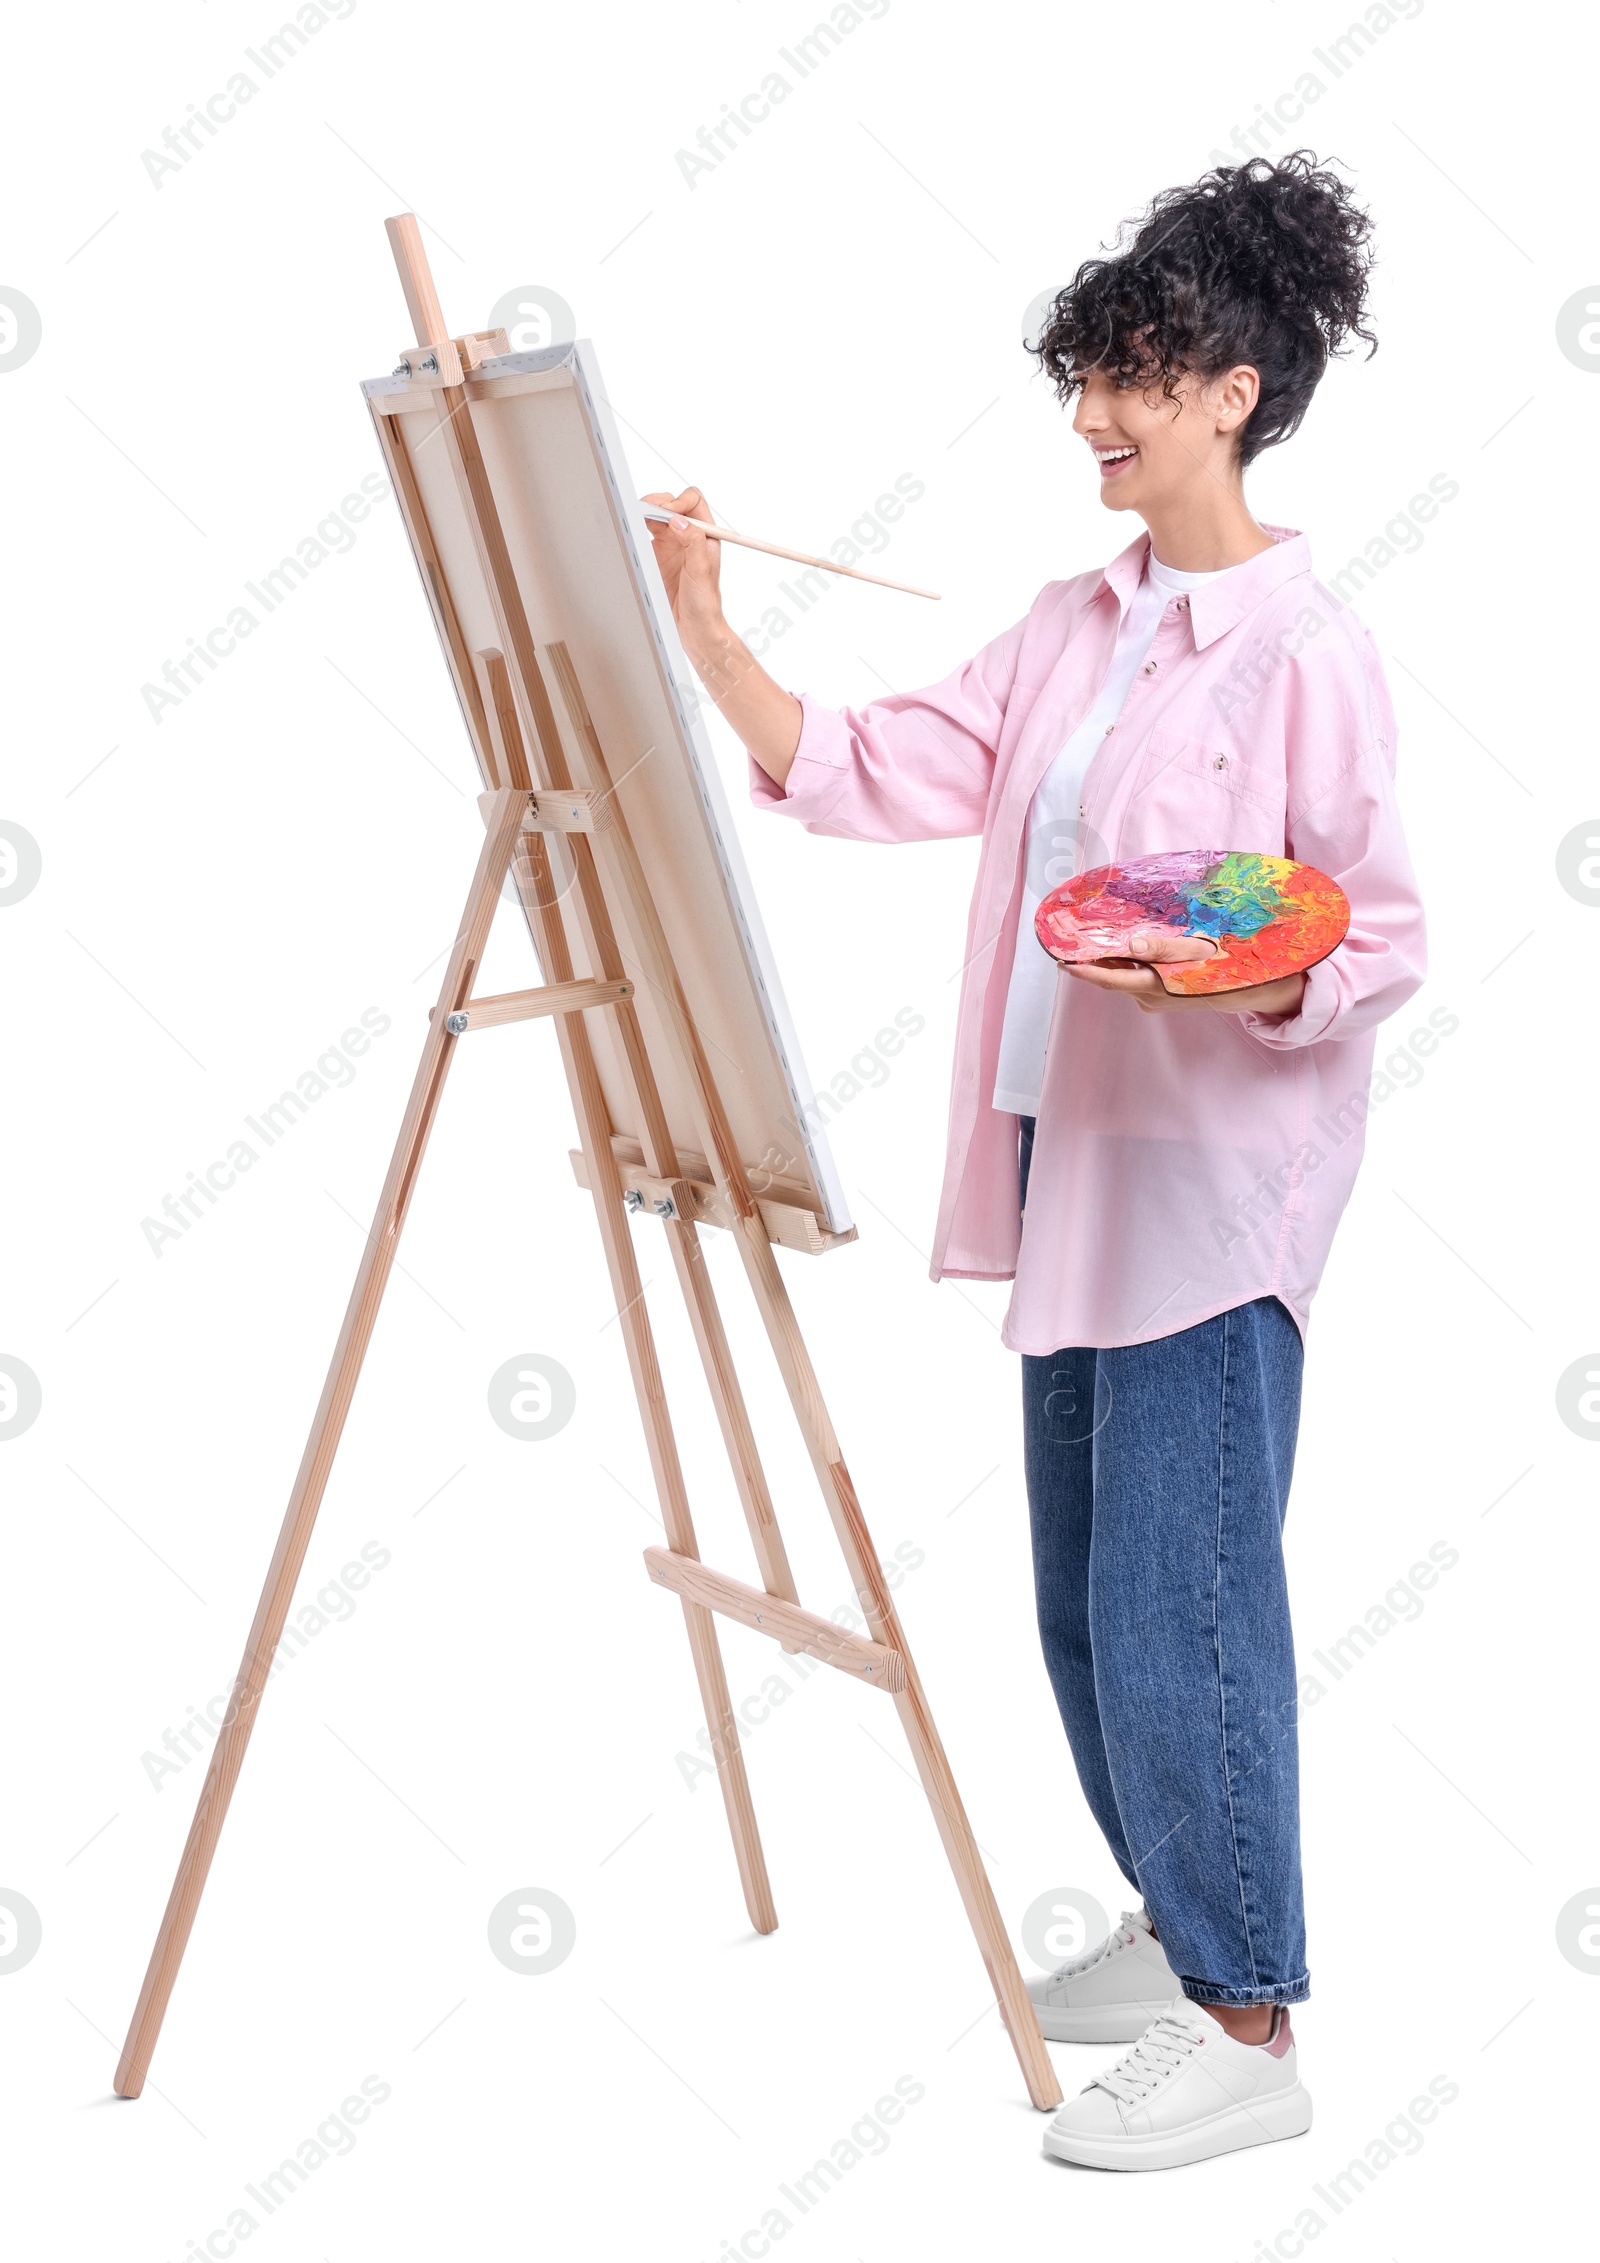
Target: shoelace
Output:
[(1126, 1924), (1165, 2046)]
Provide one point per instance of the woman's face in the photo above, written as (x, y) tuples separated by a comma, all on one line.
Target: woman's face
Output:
[(1151, 449)]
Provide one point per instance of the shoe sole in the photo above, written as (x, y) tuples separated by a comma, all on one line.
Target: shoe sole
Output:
[(1283, 2113), (1099, 2023)]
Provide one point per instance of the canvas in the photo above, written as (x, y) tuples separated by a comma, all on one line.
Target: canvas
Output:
[(581, 559)]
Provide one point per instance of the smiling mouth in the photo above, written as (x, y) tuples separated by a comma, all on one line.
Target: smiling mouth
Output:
[(1114, 461)]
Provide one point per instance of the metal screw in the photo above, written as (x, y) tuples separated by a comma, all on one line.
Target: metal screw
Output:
[(455, 1023), (429, 361), (402, 368), (665, 1207), (632, 1199)]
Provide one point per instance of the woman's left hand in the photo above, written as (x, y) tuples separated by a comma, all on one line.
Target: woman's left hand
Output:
[(1136, 978)]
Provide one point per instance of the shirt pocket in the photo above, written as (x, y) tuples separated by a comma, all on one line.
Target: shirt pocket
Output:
[(1191, 794)]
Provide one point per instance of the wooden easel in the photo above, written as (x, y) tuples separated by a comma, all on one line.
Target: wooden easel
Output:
[(506, 695)]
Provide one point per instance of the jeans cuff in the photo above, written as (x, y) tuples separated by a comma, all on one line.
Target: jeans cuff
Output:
[(1291, 1992)]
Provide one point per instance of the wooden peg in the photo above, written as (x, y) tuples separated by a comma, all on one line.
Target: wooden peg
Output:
[(416, 279)]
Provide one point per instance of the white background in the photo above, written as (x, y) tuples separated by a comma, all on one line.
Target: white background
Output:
[(223, 891)]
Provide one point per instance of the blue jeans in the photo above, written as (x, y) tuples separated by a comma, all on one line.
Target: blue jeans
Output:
[(1158, 1475)]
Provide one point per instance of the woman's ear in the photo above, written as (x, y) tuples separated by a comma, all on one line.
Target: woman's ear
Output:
[(1234, 394)]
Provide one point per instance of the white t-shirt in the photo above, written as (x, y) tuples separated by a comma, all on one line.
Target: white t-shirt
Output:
[(1057, 840)]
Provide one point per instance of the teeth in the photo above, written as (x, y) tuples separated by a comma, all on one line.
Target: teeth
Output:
[(1114, 455)]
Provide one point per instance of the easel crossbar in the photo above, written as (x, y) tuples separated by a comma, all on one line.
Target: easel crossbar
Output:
[(530, 1005), (787, 1623), (576, 810)]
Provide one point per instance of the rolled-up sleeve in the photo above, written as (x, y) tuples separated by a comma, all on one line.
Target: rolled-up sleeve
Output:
[(916, 766), (1348, 826)]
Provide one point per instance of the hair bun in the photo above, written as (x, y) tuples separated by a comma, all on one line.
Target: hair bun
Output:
[(1293, 230)]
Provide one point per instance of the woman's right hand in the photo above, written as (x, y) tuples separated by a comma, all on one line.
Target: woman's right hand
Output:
[(765, 716), (689, 561)]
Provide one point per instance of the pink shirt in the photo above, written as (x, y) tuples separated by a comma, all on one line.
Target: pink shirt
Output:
[(1183, 1163)]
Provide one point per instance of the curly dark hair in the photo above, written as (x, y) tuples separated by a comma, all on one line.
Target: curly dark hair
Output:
[(1265, 262)]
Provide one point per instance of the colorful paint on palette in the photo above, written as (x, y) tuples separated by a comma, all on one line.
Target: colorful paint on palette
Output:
[(1267, 915)]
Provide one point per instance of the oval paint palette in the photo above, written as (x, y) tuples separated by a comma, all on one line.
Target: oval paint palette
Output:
[(1267, 915)]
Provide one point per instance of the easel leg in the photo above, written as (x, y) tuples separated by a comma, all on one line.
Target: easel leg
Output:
[(911, 1704), (606, 1181), (306, 1498)]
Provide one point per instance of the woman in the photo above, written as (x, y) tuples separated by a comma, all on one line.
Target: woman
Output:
[(1183, 1160)]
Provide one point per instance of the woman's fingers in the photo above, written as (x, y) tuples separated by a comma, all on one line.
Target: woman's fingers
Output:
[(1143, 984), (1113, 974), (691, 504), (689, 561), (1140, 983), (1159, 946)]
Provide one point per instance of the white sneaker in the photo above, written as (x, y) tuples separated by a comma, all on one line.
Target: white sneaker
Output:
[(1110, 1995), (1185, 2091)]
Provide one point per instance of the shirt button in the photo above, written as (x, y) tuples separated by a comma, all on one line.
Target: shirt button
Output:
[(1183, 604), (1110, 727), (1221, 762), (1150, 667)]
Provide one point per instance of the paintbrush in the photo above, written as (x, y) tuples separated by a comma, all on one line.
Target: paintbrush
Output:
[(777, 550)]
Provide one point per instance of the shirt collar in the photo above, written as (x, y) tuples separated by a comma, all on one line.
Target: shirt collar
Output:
[(1217, 606)]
